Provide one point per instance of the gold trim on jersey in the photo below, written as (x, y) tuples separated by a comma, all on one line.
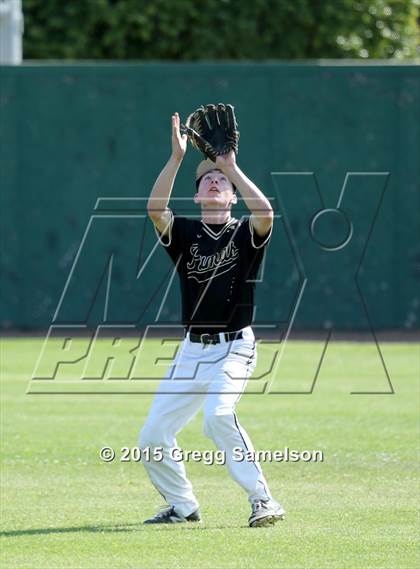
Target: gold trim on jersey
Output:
[(215, 235)]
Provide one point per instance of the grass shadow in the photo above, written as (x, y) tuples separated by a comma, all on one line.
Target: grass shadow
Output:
[(114, 528)]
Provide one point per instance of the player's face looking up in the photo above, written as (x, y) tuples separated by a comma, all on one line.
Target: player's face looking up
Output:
[(215, 190)]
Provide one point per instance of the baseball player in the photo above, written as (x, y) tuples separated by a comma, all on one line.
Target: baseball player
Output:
[(217, 259)]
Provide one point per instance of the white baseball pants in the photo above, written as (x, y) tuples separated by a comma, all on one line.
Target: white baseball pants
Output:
[(213, 376)]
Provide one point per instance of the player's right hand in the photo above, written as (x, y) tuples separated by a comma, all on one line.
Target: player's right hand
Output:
[(179, 141)]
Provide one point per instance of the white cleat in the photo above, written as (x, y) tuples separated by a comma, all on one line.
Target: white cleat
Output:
[(265, 513)]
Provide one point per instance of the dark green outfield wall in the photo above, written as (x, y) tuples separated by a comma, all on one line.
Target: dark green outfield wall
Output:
[(73, 134)]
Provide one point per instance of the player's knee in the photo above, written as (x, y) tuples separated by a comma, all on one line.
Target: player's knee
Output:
[(143, 438), (216, 424), (150, 436)]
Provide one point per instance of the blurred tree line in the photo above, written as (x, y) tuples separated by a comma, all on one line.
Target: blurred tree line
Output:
[(220, 29)]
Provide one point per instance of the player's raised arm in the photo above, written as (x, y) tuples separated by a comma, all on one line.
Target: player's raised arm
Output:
[(157, 206), (257, 203)]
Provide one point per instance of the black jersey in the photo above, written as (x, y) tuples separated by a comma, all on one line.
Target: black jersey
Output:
[(217, 265)]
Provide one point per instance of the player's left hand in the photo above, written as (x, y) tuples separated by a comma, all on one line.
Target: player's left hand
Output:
[(226, 161)]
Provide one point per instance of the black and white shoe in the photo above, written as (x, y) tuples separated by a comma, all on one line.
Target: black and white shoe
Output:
[(169, 516), (265, 513)]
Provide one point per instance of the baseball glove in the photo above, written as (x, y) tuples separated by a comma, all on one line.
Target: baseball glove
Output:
[(213, 130)]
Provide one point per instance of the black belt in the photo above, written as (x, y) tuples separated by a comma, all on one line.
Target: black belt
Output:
[(215, 338)]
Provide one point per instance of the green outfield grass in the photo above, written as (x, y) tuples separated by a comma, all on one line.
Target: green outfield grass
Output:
[(64, 508)]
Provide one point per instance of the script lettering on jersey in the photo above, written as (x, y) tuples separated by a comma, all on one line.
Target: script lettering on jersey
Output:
[(204, 267)]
